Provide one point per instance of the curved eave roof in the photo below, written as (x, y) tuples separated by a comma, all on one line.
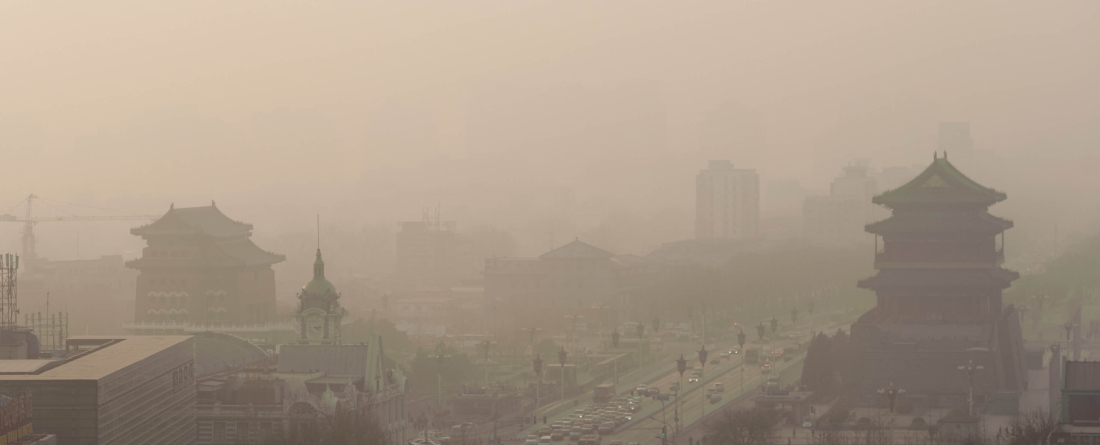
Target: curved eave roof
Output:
[(982, 223), (194, 220), (940, 183), (930, 278)]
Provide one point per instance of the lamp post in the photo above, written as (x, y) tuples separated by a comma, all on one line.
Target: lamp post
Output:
[(891, 394), (615, 344), (537, 363), (439, 356), (741, 346), (760, 331), (486, 344), (681, 365), (561, 359), (794, 315), (702, 364), (775, 324), (810, 306), (970, 367)]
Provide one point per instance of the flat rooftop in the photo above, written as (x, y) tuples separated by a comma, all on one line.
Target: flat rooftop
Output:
[(114, 353)]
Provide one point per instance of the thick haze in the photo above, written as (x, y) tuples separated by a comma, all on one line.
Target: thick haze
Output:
[(533, 117)]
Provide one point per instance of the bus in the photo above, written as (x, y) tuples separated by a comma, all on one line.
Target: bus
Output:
[(604, 393), (752, 356)]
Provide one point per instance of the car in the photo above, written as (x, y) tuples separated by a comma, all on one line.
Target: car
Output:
[(532, 440), (719, 387), (716, 361), (575, 433), (641, 390), (725, 355), (766, 368), (674, 387), (545, 440), (606, 428), (653, 390), (715, 398), (557, 435), (588, 429), (615, 442), (807, 422), (545, 431), (693, 379)]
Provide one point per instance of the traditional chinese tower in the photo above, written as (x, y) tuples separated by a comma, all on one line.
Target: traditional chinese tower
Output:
[(938, 290), (201, 267)]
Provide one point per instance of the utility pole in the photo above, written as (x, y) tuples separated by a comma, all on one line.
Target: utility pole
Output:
[(969, 367)]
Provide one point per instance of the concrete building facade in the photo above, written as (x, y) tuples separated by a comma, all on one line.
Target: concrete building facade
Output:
[(112, 390), (727, 202)]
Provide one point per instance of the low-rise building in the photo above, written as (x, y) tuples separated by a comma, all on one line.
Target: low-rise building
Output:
[(119, 390)]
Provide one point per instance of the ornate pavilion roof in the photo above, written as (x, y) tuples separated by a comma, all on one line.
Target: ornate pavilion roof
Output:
[(940, 183), (924, 278), (939, 222), (194, 220)]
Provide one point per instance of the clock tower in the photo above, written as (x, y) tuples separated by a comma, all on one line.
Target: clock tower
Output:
[(319, 312)]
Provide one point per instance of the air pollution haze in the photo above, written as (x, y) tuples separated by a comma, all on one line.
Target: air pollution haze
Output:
[(459, 155)]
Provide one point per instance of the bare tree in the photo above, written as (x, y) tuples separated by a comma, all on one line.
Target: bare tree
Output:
[(742, 427)]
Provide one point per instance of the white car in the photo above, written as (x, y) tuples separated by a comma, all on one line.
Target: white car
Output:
[(693, 379), (532, 440)]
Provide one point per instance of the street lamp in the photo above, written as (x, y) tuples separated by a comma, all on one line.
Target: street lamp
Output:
[(969, 367), (656, 324), (702, 364), (760, 331), (537, 362), (439, 356), (775, 324), (891, 394), (561, 359), (615, 344), (741, 346), (486, 344), (794, 315), (681, 365)]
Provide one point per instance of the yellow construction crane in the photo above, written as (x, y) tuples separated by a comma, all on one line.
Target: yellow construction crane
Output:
[(30, 220)]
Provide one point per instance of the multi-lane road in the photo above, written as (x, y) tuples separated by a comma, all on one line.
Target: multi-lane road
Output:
[(692, 405)]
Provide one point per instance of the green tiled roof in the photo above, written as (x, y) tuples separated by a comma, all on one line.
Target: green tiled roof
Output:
[(939, 222), (940, 183)]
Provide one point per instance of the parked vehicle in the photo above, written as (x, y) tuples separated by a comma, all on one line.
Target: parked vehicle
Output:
[(532, 440), (545, 440), (606, 428), (589, 439), (719, 387)]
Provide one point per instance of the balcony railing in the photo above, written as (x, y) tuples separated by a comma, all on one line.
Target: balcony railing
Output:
[(884, 259)]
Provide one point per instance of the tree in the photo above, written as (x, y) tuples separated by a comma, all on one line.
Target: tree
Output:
[(742, 427), (442, 360)]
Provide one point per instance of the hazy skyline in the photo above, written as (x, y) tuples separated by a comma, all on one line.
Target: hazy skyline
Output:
[(368, 111)]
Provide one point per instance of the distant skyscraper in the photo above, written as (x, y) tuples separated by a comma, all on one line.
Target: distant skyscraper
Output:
[(954, 137), (727, 202)]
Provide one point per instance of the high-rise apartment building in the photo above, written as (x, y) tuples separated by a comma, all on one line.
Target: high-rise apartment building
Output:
[(727, 202)]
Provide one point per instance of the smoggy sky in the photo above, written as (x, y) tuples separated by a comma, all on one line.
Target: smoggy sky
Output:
[(138, 103)]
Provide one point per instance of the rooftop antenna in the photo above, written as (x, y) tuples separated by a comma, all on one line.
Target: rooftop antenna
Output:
[(318, 232)]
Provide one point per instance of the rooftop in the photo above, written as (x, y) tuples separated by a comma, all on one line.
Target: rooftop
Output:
[(940, 183), (194, 220), (1082, 376), (113, 354), (577, 250)]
